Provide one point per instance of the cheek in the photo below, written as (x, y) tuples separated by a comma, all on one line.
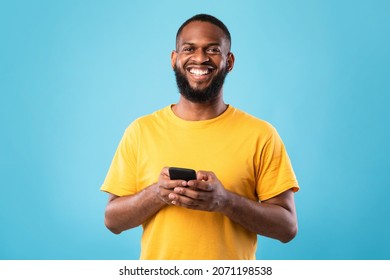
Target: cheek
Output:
[(176, 63), (224, 65), (182, 60), (223, 62)]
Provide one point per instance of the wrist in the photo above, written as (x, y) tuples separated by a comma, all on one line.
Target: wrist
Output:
[(228, 204)]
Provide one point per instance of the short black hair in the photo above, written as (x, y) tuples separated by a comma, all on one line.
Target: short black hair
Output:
[(209, 19)]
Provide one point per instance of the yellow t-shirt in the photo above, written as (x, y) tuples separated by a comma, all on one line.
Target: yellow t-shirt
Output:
[(246, 154)]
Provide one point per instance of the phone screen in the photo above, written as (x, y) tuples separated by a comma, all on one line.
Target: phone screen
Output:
[(178, 173)]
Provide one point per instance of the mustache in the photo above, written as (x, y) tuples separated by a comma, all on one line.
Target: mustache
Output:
[(206, 63)]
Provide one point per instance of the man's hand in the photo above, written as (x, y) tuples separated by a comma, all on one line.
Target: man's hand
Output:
[(275, 217), (206, 193), (165, 186)]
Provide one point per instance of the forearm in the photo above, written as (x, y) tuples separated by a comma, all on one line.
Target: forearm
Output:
[(266, 219), (127, 212)]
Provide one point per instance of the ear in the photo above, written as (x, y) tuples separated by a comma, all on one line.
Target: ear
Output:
[(230, 61), (173, 59)]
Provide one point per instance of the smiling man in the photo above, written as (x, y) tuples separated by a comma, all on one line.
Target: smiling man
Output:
[(244, 184), (200, 61)]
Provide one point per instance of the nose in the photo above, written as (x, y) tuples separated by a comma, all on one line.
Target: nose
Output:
[(200, 56)]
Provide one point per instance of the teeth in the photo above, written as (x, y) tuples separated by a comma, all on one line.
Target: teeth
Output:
[(199, 72)]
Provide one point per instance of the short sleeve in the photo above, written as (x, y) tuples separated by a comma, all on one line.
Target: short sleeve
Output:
[(121, 178), (275, 173)]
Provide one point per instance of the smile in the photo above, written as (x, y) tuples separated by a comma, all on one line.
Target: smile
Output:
[(200, 71)]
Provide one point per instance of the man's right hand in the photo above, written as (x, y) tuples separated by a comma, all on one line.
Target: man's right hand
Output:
[(165, 185)]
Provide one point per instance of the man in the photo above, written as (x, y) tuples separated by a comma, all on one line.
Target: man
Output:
[(245, 183)]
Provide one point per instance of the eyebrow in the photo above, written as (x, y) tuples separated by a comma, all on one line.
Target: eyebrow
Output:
[(208, 45)]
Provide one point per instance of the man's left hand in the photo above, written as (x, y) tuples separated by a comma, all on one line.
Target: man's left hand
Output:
[(206, 193)]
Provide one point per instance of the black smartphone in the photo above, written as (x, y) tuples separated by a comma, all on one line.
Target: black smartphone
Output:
[(177, 173)]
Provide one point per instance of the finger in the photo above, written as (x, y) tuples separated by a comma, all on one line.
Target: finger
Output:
[(188, 193), (200, 185), (202, 175), (171, 184), (165, 171), (206, 175), (163, 194), (183, 201), (166, 183), (177, 183)]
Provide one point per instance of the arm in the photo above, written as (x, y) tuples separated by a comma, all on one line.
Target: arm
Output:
[(126, 212), (274, 218)]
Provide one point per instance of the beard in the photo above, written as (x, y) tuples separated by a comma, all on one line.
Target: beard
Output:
[(199, 95)]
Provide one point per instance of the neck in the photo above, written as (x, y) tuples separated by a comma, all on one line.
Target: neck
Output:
[(190, 111)]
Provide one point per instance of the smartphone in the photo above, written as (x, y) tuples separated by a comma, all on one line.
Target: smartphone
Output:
[(177, 173)]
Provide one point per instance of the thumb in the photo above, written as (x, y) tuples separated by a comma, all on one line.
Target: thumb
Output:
[(204, 175)]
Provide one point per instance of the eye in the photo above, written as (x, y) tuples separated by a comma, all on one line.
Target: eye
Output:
[(214, 50), (188, 49)]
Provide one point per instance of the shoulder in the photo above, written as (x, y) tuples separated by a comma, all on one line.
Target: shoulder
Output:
[(149, 120), (249, 121), (152, 117)]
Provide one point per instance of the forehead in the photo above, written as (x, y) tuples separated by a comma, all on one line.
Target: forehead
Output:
[(198, 32)]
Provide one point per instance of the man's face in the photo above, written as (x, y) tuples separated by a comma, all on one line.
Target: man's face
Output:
[(201, 61)]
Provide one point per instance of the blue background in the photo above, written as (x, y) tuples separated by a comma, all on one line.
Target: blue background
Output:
[(74, 74)]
